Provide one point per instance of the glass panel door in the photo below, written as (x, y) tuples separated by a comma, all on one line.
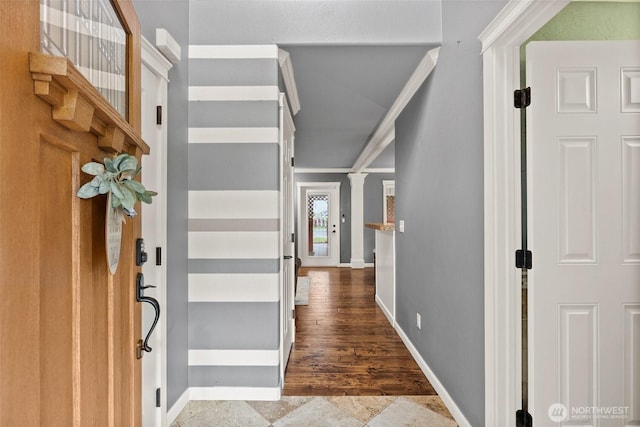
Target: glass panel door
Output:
[(318, 223)]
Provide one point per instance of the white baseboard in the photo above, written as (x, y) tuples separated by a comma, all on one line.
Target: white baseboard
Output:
[(235, 393), (386, 311), (435, 382), (357, 263), (177, 407), (348, 265)]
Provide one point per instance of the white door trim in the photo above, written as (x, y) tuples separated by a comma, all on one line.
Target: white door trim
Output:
[(158, 65), (501, 41), (301, 188), (287, 141)]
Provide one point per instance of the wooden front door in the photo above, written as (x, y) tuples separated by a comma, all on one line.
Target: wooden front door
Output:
[(68, 328)]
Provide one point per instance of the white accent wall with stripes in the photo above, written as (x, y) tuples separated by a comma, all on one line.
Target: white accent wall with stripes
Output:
[(234, 216)]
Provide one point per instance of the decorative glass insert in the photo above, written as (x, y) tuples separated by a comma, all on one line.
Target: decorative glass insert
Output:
[(391, 210), (318, 223), (389, 201), (89, 33)]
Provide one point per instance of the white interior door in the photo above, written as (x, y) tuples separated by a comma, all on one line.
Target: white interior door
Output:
[(584, 161), (288, 241), (154, 226), (319, 224)]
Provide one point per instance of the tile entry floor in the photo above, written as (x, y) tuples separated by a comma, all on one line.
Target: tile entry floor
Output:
[(310, 411)]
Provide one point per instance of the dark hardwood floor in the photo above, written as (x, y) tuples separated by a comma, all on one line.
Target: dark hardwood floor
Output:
[(344, 343)]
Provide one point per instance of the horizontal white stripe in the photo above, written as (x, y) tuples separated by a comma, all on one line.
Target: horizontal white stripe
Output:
[(234, 357), (234, 204), (235, 393), (234, 244), (269, 51), (83, 26), (233, 135), (234, 93), (343, 170), (234, 288)]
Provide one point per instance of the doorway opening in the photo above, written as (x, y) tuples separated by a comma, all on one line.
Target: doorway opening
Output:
[(501, 42), (318, 224)]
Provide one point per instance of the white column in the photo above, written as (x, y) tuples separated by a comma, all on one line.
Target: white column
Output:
[(357, 219)]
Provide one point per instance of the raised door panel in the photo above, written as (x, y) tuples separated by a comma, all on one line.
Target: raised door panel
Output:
[(582, 135)]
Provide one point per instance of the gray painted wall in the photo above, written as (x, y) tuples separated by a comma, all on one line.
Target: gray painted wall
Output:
[(174, 17), (439, 193), (372, 208), (315, 22)]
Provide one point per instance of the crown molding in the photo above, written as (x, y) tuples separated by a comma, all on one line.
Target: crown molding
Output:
[(322, 170), (385, 133), (289, 80), (516, 19), (154, 59), (168, 45)]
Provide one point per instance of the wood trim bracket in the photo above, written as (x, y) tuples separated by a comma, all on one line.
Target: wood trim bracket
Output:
[(77, 105)]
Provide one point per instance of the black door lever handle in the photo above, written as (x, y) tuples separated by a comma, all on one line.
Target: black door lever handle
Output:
[(140, 287)]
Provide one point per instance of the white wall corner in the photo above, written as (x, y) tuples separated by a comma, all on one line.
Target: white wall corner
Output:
[(289, 80), (451, 405), (168, 45), (287, 117)]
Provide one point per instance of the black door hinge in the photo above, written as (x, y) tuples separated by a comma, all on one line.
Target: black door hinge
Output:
[(522, 98), (523, 418), (293, 162), (158, 398), (159, 115), (293, 237), (524, 259), (158, 255)]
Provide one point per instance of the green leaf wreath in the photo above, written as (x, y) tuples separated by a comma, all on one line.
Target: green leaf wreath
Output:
[(116, 176)]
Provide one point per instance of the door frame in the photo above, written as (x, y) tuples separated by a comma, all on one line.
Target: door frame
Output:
[(501, 41), (302, 188), (160, 66), (287, 145)]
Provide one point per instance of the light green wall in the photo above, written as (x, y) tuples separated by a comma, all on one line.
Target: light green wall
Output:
[(590, 20), (582, 20)]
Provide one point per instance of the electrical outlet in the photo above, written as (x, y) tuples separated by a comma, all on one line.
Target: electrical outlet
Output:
[(418, 321)]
